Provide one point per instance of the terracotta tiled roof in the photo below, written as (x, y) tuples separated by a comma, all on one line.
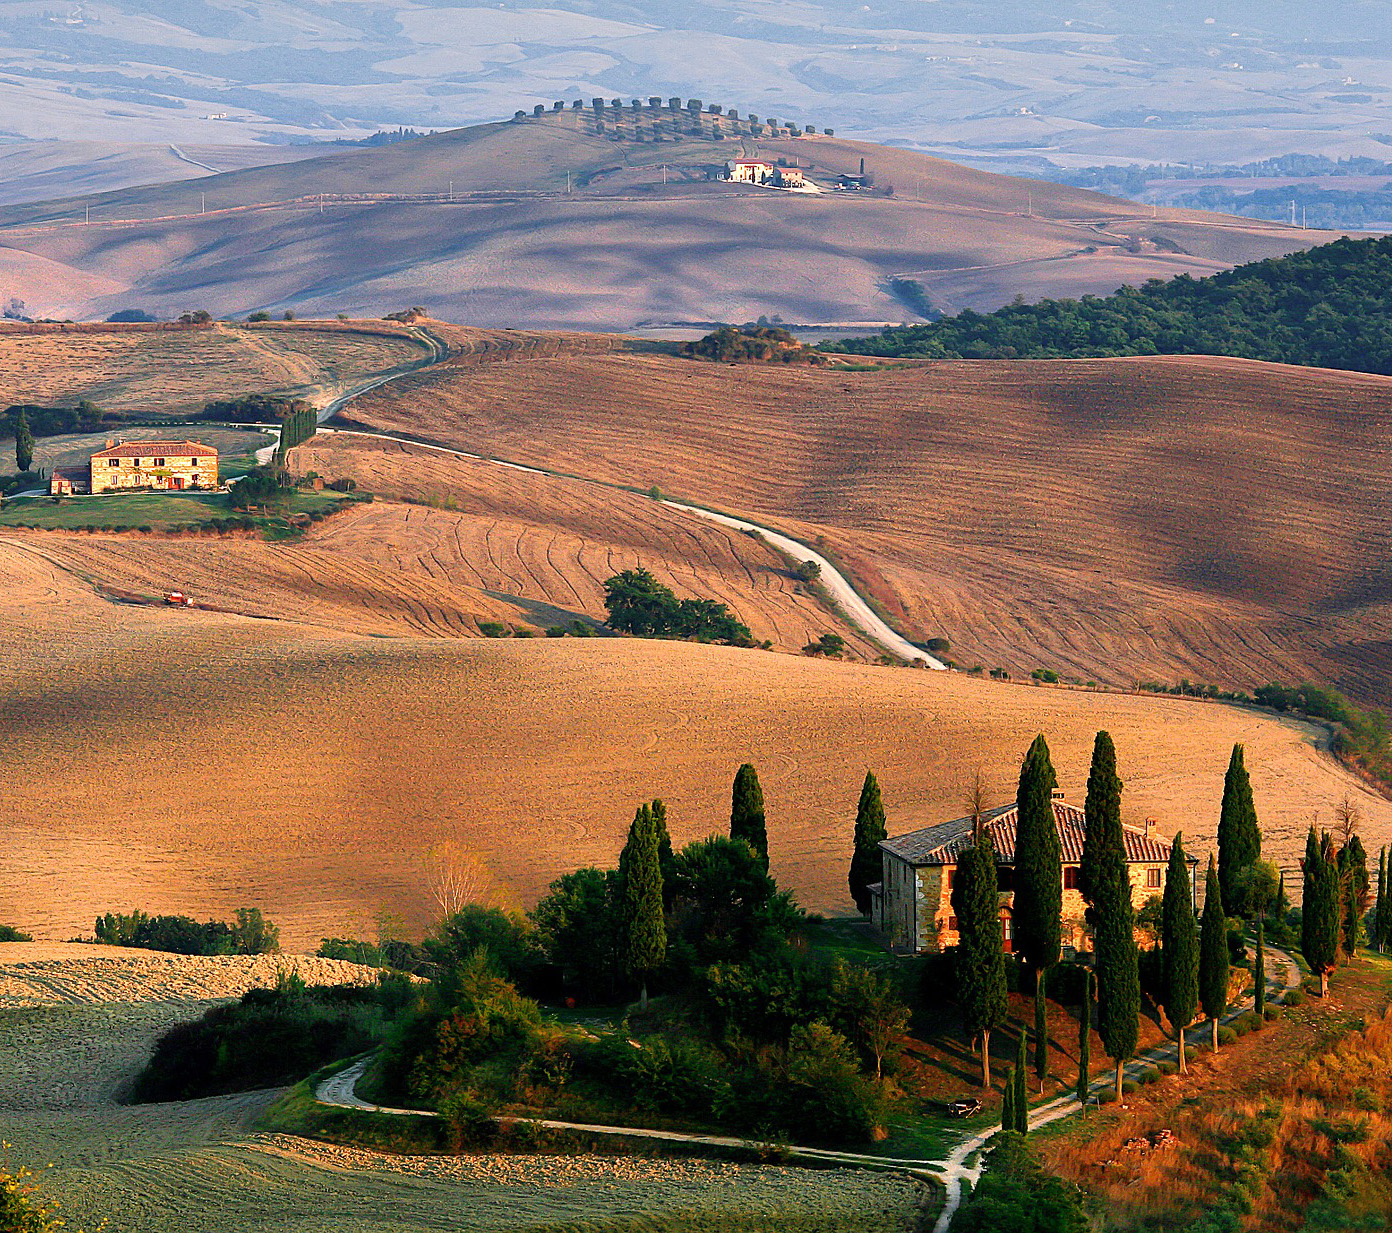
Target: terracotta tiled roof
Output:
[(158, 449), (71, 473), (943, 843)]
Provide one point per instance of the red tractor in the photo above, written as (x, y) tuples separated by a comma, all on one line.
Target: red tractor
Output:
[(177, 599)]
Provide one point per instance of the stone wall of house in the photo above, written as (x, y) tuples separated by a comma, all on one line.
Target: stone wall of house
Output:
[(142, 472)]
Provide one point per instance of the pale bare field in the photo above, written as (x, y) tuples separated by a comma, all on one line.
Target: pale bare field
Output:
[(174, 372), (55, 974), (557, 226), (1116, 520), (203, 1164), (197, 761)]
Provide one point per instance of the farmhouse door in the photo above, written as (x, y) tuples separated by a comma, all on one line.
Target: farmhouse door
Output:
[(176, 481), (1007, 931)]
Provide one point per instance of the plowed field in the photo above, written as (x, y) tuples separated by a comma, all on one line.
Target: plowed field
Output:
[(1212, 519), (174, 372), (190, 761)]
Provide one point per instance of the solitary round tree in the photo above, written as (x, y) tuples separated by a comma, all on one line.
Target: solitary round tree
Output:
[(1180, 947), (1213, 951), (747, 812), (866, 865)]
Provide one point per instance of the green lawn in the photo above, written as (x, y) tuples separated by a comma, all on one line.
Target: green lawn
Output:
[(157, 511)]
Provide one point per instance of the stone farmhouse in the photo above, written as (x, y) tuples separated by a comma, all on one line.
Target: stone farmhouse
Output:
[(173, 466), (756, 171), (912, 906)]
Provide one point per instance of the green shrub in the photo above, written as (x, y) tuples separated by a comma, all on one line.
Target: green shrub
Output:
[(493, 629), (1167, 1068), (1272, 1012), (469, 1119), (269, 1038), (1239, 1027), (1226, 1036), (556, 631), (1296, 997), (1367, 1100), (1150, 1075), (252, 934), (10, 934), (1129, 1087)]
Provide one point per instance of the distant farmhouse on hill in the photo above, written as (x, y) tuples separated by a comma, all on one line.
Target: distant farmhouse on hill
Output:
[(174, 466), (756, 171), (913, 905)]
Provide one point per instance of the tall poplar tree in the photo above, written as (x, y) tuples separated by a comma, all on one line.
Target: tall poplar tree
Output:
[(1114, 930), (24, 443), (1085, 1039), (1213, 951), (1354, 885), (747, 812), (1041, 1031), (1179, 942), (1239, 836), (867, 867), (1319, 919), (1038, 903), (981, 990), (645, 929), (1103, 840), (1380, 930)]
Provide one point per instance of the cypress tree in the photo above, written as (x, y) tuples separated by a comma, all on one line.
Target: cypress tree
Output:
[(1118, 976), (1239, 837), (24, 443), (1213, 951), (747, 812), (1085, 1039), (1041, 1032), (866, 865), (1180, 947), (981, 991), (1008, 1119), (1319, 920), (1021, 1090), (1103, 840), (664, 849), (1038, 904), (1259, 970), (1380, 930), (645, 929), (1354, 884)]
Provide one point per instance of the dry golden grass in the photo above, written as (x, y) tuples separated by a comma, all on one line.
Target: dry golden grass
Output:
[(174, 372), (1115, 520), (191, 761)]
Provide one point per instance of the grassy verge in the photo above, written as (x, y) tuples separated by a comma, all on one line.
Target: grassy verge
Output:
[(164, 512)]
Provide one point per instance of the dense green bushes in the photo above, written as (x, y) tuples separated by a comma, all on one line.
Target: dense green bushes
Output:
[(261, 487), (250, 934), (271, 1037), (10, 934), (1015, 1195), (638, 604), (752, 344), (1330, 307), (254, 409)]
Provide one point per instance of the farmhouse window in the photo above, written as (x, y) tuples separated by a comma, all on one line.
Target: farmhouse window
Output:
[(1152, 879), (952, 924), (1070, 878), (951, 878), (113, 462), (159, 462)]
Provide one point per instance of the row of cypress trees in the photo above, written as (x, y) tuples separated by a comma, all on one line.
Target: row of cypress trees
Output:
[(648, 851), (1195, 956), (1337, 891)]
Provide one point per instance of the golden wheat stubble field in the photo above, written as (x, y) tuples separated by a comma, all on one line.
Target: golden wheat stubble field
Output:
[(189, 761), (1182, 517), (164, 371)]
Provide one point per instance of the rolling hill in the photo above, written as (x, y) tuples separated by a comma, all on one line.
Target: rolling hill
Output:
[(174, 371), (579, 219), (198, 761), (1218, 520)]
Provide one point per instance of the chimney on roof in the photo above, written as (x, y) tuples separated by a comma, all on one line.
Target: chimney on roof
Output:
[(110, 443), (1057, 794), (1151, 827)]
